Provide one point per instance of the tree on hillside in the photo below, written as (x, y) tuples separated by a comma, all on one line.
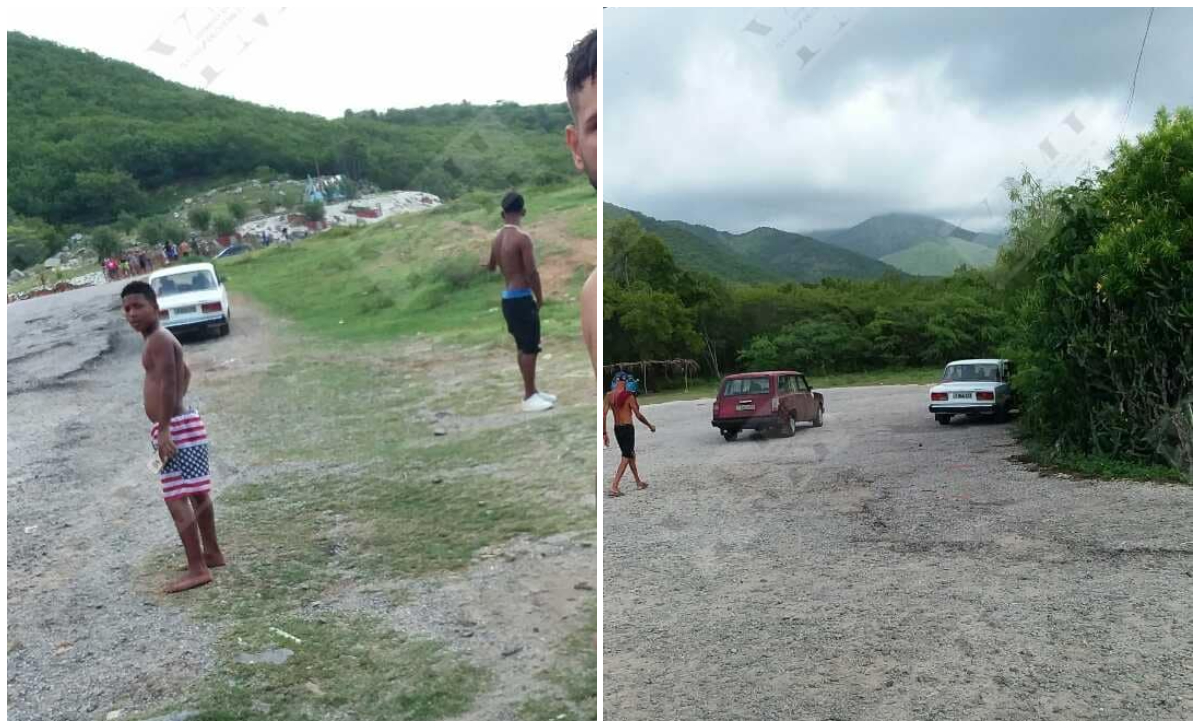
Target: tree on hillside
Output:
[(98, 194), (174, 231), (237, 210), (126, 222), (267, 205), (152, 231), (199, 218), (105, 242), (223, 224), (27, 242), (314, 211)]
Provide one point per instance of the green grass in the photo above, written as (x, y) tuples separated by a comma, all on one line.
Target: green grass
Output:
[(940, 256), (415, 274), (342, 668), (706, 388), (353, 491), (1102, 467)]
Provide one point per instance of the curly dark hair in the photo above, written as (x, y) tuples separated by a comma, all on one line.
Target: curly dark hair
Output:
[(143, 288), (581, 66)]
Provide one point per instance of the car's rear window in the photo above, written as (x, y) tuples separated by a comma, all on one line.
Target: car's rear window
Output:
[(200, 280), (748, 385), (971, 373)]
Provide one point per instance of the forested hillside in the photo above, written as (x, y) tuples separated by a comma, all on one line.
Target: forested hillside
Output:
[(89, 138)]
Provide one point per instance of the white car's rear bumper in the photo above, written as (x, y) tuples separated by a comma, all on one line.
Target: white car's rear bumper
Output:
[(979, 408)]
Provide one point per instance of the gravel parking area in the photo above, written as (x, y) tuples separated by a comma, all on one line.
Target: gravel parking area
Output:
[(885, 567)]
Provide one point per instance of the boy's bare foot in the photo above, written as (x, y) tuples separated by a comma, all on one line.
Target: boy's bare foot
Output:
[(643, 485), (212, 561), (615, 493), (191, 581)]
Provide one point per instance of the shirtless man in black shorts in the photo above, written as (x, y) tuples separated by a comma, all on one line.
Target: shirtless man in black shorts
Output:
[(512, 252), (624, 406)]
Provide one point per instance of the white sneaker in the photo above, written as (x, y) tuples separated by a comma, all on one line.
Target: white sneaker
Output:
[(548, 397), (536, 404)]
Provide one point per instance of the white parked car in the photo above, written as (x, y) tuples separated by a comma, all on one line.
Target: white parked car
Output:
[(974, 387), (191, 298)]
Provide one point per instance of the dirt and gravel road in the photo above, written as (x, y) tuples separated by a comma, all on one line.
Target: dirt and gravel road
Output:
[(886, 567), (78, 637)]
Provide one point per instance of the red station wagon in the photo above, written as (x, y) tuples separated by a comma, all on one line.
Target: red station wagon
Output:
[(773, 401)]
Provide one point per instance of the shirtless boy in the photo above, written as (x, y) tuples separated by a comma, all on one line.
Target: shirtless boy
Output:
[(512, 252), (178, 436), (624, 407)]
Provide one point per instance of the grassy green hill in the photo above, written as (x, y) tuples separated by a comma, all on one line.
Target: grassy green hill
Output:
[(802, 258), (695, 248), (941, 256), (90, 137), (420, 272), (884, 235), (760, 255)]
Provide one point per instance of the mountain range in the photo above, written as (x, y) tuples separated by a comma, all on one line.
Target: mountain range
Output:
[(897, 243), (916, 244), (762, 254)]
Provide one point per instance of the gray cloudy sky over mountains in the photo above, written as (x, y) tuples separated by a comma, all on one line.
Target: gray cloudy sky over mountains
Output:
[(814, 118)]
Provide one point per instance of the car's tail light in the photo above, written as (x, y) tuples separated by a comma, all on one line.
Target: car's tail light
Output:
[(939, 396), (774, 404), (211, 307), (164, 313), (985, 395)]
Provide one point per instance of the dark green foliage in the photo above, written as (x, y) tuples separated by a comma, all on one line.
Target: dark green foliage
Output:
[(314, 211), (105, 242), (199, 218), (223, 224), (89, 138), (237, 210), (126, 222), (30, 241), (654, 310), (763, 254), (1101, 284)]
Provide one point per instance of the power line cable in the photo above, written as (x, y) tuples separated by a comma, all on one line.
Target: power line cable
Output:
[(1133, 84)]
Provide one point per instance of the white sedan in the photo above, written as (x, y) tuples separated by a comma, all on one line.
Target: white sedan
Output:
[(191, 298), (973, 387)]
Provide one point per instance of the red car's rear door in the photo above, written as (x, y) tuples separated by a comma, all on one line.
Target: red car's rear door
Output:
[(745, 397)]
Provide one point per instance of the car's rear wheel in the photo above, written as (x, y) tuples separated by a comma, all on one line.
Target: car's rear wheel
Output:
[(1000, 416), (788, 429), (943, 419), (729, 435), (820, 418)]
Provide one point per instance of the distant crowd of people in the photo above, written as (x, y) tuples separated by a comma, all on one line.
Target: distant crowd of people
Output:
[(139, 261)]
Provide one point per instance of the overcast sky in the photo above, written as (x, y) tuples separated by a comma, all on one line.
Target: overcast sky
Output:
[(819, 118), (325, 61)]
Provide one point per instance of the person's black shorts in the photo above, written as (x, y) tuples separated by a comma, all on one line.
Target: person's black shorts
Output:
[(624, 435), (523, 323)]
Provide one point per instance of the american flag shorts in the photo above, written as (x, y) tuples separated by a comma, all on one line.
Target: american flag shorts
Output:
[(186, 473)]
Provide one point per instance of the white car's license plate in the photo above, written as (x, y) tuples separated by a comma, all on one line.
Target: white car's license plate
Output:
[(745, 407), (962, 395), (184, 309)]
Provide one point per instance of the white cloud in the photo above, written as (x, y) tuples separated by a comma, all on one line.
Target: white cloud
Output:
[(727, 137)]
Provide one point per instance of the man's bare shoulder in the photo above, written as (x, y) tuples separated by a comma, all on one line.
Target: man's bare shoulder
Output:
[(162, 342)]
